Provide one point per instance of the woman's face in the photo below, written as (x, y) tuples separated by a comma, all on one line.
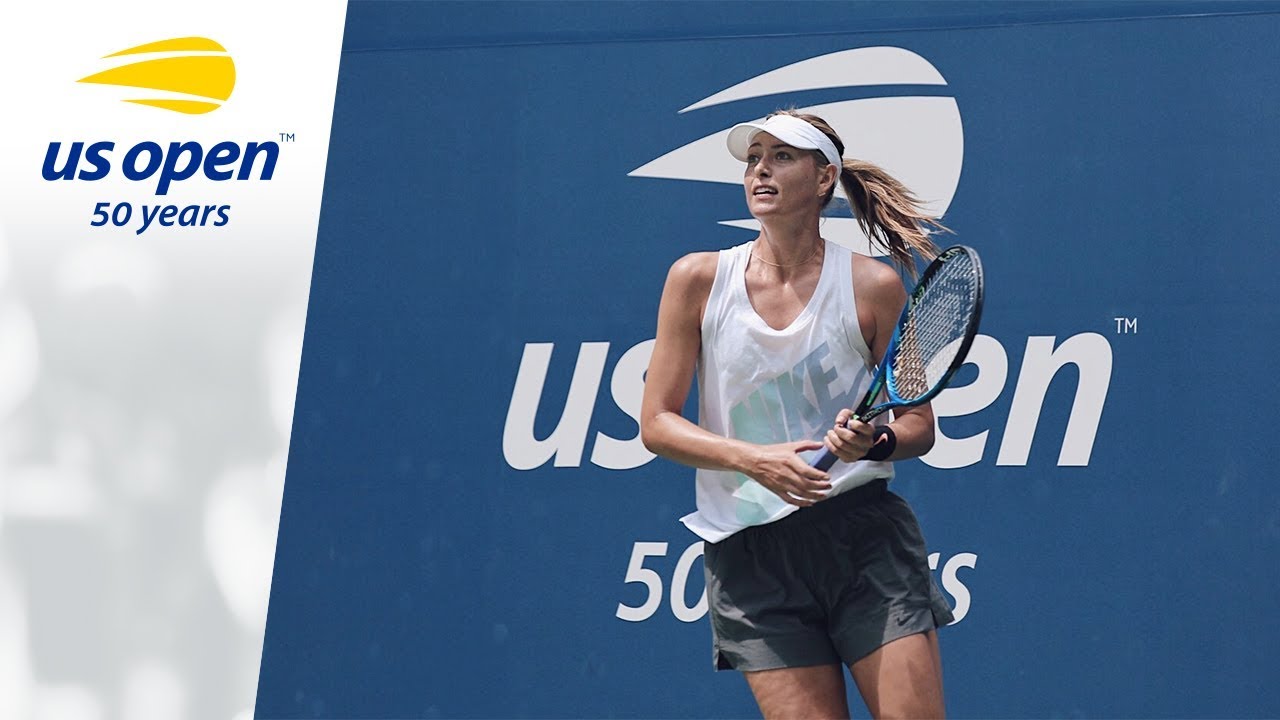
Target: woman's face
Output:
[(782, 180)]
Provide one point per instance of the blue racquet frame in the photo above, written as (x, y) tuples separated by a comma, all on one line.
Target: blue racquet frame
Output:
[(884, 379)]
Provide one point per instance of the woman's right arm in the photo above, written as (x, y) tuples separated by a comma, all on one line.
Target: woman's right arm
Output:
[(663, 427)]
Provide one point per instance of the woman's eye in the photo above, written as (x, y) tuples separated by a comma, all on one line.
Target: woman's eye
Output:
[(753, 159), (784, 155)]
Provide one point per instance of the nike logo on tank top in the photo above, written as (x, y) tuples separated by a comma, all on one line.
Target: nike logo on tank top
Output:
[(769, 386)]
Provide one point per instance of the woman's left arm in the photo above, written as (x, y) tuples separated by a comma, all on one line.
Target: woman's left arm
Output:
[(880, 297)]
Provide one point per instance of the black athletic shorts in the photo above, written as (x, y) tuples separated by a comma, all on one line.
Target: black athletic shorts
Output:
[(827, 584)]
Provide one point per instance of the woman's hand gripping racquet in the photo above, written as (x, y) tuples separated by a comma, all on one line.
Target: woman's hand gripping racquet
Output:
[(931, 340)]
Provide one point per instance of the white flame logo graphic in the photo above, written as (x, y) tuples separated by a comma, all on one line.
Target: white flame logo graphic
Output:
[(919, 139)]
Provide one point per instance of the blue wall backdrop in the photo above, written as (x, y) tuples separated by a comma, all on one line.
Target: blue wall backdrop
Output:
[(470, 526)]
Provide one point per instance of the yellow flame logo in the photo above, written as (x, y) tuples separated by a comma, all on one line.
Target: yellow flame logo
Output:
[(202, 74)]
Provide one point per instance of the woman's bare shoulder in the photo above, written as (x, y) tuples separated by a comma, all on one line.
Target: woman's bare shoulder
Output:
[(877, 281), (694, 272)]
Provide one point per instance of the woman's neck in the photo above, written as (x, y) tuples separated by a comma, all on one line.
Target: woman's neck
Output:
[(786, 245)]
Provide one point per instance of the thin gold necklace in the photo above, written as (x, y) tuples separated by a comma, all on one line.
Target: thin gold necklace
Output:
[(816, 249)]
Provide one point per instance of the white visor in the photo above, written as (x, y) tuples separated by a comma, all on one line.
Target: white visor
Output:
[(789, 129)]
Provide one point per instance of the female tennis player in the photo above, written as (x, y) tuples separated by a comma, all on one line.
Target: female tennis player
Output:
[(806, 570)]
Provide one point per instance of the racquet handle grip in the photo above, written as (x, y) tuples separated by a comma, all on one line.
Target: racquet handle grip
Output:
[(828, 458), (825, 460)]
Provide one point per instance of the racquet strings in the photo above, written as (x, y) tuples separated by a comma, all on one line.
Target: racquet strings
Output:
[(935, 327)]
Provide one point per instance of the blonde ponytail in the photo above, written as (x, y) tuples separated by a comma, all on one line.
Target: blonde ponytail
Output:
[(889, 213)]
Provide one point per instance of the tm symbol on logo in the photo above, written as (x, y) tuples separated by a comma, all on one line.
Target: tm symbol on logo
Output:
[(286, 137), (1126, 326)]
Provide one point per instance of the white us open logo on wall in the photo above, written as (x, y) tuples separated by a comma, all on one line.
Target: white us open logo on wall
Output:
[(920, 140)]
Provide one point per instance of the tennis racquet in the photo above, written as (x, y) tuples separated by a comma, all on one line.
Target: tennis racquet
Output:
[(931, 340)]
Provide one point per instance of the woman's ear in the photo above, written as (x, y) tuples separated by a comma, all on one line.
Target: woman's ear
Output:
[(827, 180)]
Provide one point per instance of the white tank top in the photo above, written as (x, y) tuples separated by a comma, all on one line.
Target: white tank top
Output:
[(768, 386)]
